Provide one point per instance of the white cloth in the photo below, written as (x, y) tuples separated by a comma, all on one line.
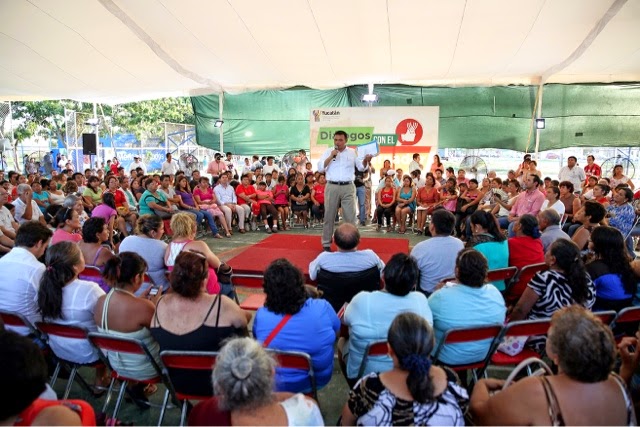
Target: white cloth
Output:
[(343, 262), (5, 218), (79, 300), (342, 169), (169, 168), (20, 206), (302, 411), (269, 169), (21, 273), (558, 206), (135, 165), (575, 175), (225, 194), (414, 166)]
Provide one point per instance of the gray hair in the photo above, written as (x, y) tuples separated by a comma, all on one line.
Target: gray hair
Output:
[(243, 375), (70, 201), (22, 188), (551, 216)]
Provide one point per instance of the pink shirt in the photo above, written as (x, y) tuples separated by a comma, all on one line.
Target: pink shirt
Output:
[(281, 199), (528, 202), (61, 235), (264, 193), (204, 195), (215, 168), (104, 211)]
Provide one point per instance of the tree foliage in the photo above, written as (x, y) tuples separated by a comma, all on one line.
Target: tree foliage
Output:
[(144, 119)]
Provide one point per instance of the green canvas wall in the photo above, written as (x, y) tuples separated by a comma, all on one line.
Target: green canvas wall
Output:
[(470, 117)]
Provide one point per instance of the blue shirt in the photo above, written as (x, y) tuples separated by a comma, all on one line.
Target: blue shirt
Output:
[(311, 330), (147, 197), (460, 306), (436, 258), (369, 316), (622, 217), (497, 255)]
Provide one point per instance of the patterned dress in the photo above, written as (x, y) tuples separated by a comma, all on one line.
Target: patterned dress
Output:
[(374, 405), (554, 293)]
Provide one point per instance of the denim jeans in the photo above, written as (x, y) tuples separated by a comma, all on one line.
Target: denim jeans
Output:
[(200, 215)]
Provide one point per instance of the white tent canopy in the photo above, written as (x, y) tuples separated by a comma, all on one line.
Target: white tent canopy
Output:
[(115, 51)]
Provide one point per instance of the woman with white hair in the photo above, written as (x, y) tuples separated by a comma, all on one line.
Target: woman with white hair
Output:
[(243, 380)]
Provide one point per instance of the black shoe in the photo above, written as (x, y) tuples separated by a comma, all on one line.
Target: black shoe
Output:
[(326, 248)]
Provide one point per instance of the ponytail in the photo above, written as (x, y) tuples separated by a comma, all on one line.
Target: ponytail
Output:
[(570, 262), (60, 260), (122, 269), (412, 340)]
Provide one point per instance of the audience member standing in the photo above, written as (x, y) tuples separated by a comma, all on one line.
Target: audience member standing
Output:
[(572, 173), (339, 164)]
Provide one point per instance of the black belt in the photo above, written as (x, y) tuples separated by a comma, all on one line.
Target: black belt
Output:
[(340, 182)]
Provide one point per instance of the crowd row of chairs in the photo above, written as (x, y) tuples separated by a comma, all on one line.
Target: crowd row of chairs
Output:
[(497, 333), (164, 369), (204, 361)]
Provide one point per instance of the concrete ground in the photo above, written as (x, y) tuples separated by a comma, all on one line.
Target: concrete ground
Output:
[(332, 397)]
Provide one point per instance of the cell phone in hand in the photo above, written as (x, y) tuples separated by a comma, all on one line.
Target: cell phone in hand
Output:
[(154, 291)]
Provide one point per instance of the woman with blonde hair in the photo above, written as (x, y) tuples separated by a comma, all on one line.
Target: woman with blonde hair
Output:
[(184, 233)]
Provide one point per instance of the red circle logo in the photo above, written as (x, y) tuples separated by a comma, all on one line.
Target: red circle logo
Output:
[(409, 132)]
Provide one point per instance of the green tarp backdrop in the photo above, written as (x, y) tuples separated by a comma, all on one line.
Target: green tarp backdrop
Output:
[(274, 122)]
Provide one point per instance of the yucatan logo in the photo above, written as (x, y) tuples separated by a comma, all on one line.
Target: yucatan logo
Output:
[(409, 132)]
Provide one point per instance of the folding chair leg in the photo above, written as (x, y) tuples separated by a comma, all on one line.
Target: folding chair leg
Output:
[(54, 377), (123, 388), (183, 415), (72, 376), (107, 399), (165, 402)]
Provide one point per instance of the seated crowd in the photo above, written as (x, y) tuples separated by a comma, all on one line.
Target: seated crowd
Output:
[(171, 296)]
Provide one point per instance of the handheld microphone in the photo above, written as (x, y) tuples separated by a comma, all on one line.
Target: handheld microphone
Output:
[(334, 157)]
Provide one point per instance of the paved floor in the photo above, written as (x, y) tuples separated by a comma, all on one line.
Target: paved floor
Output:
[(332, 397)]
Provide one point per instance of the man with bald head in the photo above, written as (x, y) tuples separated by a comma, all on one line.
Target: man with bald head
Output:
[(348, 258)]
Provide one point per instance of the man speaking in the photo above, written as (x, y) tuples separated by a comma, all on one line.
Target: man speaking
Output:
[(339, 165)]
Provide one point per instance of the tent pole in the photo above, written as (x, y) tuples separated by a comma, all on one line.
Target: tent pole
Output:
[(221, 107), (539, 115)]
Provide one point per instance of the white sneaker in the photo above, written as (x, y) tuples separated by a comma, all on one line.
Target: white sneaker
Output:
[(275, 228)]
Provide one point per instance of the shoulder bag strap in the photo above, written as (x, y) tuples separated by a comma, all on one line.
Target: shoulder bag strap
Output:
[(275, 331), (552, 401), (631, 418)]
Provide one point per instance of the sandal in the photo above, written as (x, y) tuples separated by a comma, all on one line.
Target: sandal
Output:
[(242, 231), (217, 236), (227, 234), (378, 228)]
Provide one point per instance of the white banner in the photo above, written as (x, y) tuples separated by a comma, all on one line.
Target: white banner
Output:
[(399, 131)]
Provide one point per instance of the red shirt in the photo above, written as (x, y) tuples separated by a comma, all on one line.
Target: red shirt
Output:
[(319, 196), (524, 250), (386, 196), (114, 167), (119, 197), (247, 191)]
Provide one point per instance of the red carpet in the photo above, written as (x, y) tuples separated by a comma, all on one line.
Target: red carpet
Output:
[(300, 250)]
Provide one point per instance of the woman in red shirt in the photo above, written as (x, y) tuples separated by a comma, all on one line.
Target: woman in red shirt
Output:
[(428, 198), (524, 249), (317, 197), (386, 199)]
